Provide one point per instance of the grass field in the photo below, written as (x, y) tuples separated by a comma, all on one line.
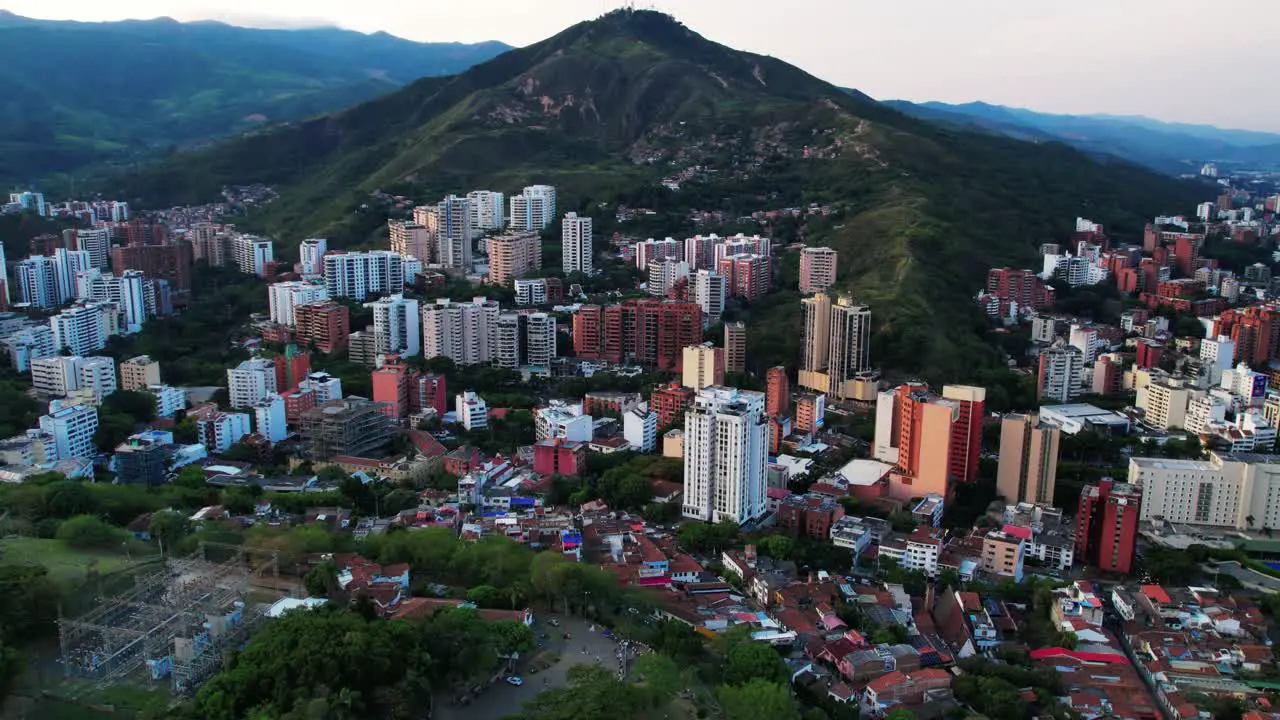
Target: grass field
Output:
[(65, 563)]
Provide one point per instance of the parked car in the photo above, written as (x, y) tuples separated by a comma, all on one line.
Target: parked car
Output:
[(515, 680)]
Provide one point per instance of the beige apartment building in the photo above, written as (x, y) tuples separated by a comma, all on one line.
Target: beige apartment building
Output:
[(1028, 466)]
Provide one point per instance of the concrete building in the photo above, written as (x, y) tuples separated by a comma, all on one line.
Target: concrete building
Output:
[(72, 429), (325, 326), (397, 325), (1107, 525), (139, 372), (1231, 490), (488, 211), (650, 251), (269, 419), (540, 340), (37, 282), (725, 456), (817, 269), (811, 412), (142, 460), (812, 516), (451, 225), (576, 244), (1165, 403), (1028, 465), (1002, 554), (252, 254), (83, 329), (562, 421), (735, 347), (640, 428), (353, 427), (966, 431), (535, 291), (665, 274), (357, 275), (748, 276), (311, 256), (534, 208), (703, 366), (169, 400), (219, 431), (514, 255), (709, 291), (777, 391), (837, 339), (465, 332), (284, 297), (409, 239), (1061, 373), (914, 430), (251, 382), (473, 413)]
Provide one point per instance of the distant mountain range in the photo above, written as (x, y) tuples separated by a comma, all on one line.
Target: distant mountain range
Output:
[(77, 94), (1168, 147), (608, 109)]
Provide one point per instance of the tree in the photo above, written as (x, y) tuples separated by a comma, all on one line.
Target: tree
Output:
[(322, 581), (757, 699), (168, 527), (191, 476), (486, 596), (749, 660), (779, 547), (900, 714), (87, 532)]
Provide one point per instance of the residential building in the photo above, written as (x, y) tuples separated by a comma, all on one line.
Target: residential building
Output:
[(747, 276), (703, 366), (252, 254), (966, 431), (562, 421), (30, 343), (514, 255), (352, 426), (1107, 525), (665, 275), (576, 244), (1085, 339), (919, 551), (1165, 403), (139, 372), (409, 239), (559, 457), (669, 402), (735, 347), (473, 413), (649, 332), (1061, 370), (142, 460), (251, 382), (1002, 554), (777, 391), (454, 236), (66, 265), (170, 262), (83, 329), (811, 412), (311, 253), (914, 430), (1028, 464), (325, 386), (534, 291), (1240, 491), (725, 455), (465, 332), (72, 429), (96, 374), (534, 208), (650, 251), (837, 339), (812, 516), (57, 376), (488, 211), (357, 275), (699, 252), (284, 297), (640, 428), (323, 326), (1020, 286), (169, 400), (36, 279), (397, 325), (540, 340), (269, 419), (96, 242), (709, 291), (817, 269), (395, 387)]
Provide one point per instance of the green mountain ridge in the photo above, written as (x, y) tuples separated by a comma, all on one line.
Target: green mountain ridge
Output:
[(607, 108), (78, 94)]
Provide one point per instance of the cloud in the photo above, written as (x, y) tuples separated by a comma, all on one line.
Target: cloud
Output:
[(255, 20)]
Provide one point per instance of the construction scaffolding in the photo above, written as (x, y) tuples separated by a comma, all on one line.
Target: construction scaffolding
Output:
[(176, 623)]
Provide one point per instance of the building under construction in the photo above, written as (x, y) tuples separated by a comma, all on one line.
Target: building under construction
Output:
[(352, 426), (177, 623)]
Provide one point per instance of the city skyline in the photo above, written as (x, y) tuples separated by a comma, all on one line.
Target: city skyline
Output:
[(1089, 57)]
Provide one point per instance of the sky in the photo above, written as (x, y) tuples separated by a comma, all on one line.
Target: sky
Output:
[(1176, 60)]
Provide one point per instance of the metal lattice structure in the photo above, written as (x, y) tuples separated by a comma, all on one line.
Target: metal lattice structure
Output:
[(178, 621)]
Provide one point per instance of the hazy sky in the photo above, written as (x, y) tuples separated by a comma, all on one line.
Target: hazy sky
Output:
[(1178, 60)]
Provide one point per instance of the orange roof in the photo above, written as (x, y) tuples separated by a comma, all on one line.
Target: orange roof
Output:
[(884, 682), (1156, 594)]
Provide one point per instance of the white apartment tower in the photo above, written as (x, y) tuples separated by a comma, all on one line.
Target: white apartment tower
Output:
[(252, 254), (269, 419), (37, 281), (508, 343), (361, 274), (284, 297), (488, 211), (66, 265), (709, 291), (96, 242), (534, 208), (576, 244), (540, 340), (1061, 370), (311, 255), (81, 329), (397, 326), (72, 429), (453, 233), (465, 332), (251, 382), (726, 455)]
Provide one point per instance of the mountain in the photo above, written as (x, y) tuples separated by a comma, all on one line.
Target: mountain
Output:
[(607, 108), (73, 94), (1167, 147)]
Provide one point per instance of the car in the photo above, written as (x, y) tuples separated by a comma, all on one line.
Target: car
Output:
[(515, 680)]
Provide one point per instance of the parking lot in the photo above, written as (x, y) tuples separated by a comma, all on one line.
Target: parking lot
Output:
[(502, 699)]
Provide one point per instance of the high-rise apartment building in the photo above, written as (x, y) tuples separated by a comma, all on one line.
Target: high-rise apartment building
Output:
[(219, 431), (1021, 286), (703, 366), (395, 386), (210, 242), (63, 375), (72, 429), (488, 211), (811, 412), (96, 242), (709, 291), (746, 275), (966, 431), (465, 332), (540, 340), (397, 324), (252, 254), (649, 251), (735, 347), (668, 403), (170, 262), (1061, 369), (700, 252), (411, 239), (1107, 525), (726, 456), (915, 430), (139, 372), (514, 255), (508, 349), (311, 256), (454, 239), (250, 382), (284, 297), (472, 410), (534, 208), (358, 275), (664, 274), (817, 269), (648, 332), (269, 420), (1028, 466), (777, 392), (837, 345), (576, 244), (66, 265), (324, 326), (37, 282), (83, 329)]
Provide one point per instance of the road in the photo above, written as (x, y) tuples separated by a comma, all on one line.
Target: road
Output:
[(503, 700)]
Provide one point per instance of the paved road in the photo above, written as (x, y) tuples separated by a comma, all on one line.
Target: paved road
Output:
[(502, 699)]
